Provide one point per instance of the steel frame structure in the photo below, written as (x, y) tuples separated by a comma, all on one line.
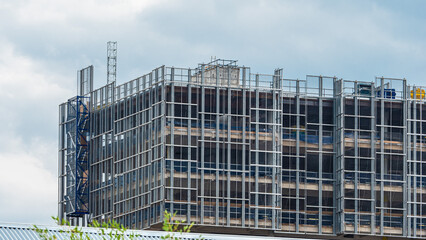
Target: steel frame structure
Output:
[(228, 149)]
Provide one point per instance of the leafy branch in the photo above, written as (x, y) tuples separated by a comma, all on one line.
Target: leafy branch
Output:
[(173, 226), (107, 230), (113, 230)]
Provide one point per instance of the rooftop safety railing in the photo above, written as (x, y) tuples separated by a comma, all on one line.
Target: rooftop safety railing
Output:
[(228, 73), (319, 86), (292, 87), (392, 88)]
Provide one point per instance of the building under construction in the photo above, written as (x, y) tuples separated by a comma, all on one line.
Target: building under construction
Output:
[(246, 153)]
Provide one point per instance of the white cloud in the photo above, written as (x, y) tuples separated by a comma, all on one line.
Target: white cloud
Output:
[(29, 95), (28, 189), (24, 78), (39, 12)]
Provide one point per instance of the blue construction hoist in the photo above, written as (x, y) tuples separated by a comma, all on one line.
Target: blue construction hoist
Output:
[(77, 159)]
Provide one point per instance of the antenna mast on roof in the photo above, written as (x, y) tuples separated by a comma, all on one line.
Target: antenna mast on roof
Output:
[(112, 62)]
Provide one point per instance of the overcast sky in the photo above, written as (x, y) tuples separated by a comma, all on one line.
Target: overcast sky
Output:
[(43, 43)]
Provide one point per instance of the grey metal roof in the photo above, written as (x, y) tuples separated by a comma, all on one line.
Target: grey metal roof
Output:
[(24, 231)]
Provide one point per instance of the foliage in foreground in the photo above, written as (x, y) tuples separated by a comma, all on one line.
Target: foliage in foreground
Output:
[(112, 230), (107, 230), (175, 226)]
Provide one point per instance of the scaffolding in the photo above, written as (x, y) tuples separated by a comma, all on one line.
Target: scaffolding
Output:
[(232, 150)]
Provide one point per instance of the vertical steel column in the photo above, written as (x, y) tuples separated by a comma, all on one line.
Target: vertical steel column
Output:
[(228, 181), (61, 161), (280, 147), (138, 151), (217, 92), (339, 156), (382, 150), (414, 160), (373, 158), (356, 157), (243, 175), (150, 134), (162, 149), (320, 153), (422, 173), (405, 161), (111, 119), (297, 155), (188, 212), (335, 175), (172, 138), (409, 179), (162, 153), (114, 117), (274, 148), (103, 154), (154, 143), (278, 110), (124, 150), (256, 201), (203, 108)]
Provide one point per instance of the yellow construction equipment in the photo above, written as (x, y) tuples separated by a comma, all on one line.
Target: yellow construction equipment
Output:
[(420, 93)]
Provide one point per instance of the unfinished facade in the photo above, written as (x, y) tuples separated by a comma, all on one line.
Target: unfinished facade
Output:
[(235, 151)]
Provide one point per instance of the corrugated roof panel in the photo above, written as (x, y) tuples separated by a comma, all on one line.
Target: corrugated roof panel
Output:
[(4, 233), (26, 232)]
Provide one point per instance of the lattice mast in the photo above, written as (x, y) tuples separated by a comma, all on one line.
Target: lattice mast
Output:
[(112, 61)]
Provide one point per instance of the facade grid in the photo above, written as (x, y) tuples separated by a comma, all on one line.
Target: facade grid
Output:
[(231, 150)]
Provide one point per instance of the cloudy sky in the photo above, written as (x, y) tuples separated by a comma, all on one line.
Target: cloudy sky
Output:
[(44, 42)]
